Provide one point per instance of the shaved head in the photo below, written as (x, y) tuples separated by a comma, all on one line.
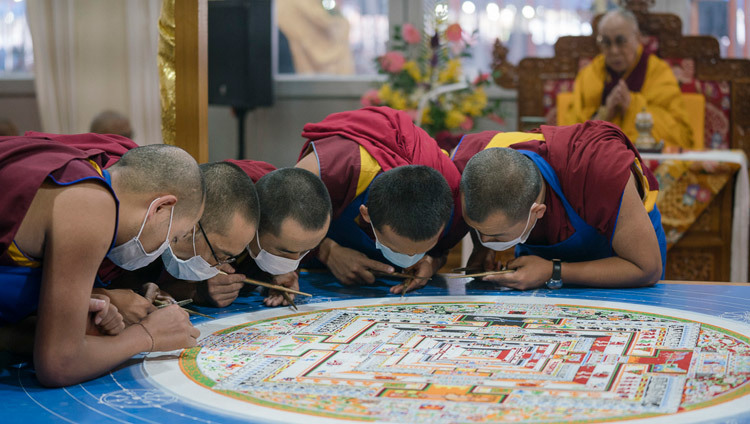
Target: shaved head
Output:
[(414, 200), (229, 191), (292, 193), (613, 16), (7, 127), (499, 180), (111, 122), (163, 169)]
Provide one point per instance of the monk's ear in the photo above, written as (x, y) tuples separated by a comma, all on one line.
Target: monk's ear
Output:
[(538, 210), (164, 204), (365, 214)]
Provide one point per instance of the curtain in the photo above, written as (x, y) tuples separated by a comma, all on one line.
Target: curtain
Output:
[(91, 56), (51, 25)]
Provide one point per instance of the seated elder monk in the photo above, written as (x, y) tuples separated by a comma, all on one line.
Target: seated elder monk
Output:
[(624, 80)]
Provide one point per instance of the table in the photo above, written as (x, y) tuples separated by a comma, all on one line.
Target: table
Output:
[(741, 210), (128, 395)]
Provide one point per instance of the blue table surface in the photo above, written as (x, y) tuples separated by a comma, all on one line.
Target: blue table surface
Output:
[(127, 395)]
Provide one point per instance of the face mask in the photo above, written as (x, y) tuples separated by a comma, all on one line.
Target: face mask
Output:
[(499, 246), (401, 259), (272, 264), (131, 255), (193, 269)]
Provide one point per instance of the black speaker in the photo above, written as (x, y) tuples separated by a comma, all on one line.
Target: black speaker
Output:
[(239, 53)]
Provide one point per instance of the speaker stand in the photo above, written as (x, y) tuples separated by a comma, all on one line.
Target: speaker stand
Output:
[(240, 112)]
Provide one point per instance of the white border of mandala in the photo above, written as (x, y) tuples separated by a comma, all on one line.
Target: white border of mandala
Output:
[(163, 369)]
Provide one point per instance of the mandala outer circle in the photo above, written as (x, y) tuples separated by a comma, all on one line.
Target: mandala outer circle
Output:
[(190, 360)]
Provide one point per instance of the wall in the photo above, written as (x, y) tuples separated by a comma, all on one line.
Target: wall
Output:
[(273, 134)]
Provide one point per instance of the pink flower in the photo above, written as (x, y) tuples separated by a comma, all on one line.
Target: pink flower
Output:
[(468, 124), (453, 33), (370, 98), (410, 34), (392, 62), (481, 78), (496, 118), (704, 195)]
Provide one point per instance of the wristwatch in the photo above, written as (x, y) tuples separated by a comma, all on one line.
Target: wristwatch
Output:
[(556, 281)]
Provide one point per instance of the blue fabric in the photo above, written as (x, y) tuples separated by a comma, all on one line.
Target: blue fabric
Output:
[(19, 292), (586, 244), (20, 286), (345, 231)]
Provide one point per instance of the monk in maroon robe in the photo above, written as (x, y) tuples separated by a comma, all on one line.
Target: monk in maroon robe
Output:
[(592, 177), (60, 215), (349, 150)]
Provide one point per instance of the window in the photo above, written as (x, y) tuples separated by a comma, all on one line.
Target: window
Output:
[(16, 54), (526, 27), (331, 37)]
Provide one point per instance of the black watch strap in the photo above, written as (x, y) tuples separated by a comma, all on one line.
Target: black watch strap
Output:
[(556, 269), (556, 281)]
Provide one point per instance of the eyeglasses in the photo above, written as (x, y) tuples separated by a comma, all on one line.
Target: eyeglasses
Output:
[(606, 43), (213, 252)]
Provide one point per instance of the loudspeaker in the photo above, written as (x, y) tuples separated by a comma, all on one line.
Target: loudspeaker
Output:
[(239, 53)]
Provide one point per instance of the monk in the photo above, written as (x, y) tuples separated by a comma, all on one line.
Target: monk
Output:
[(393, 192), (295, 198), (625, 79), (295, 212), (111, 122), (229, 223), (574, 201), (62, 215)]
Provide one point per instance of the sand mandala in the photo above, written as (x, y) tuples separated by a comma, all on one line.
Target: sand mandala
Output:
[(468, 360)]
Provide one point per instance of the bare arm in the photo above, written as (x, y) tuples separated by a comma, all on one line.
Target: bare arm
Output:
[(78, 233)]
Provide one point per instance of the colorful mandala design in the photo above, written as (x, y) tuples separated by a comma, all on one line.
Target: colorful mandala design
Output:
[(475, 362)]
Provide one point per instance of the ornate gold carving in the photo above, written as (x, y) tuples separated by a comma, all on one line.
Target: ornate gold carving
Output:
[(690, 264), (504, 72)]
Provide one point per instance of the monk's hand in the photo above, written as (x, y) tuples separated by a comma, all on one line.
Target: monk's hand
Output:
[(352, 267), (482, 258), (223, 289), (105, 318), (289, 280), (170, 329), (530, 272), (426, 267), (132, 306), (624, 93)]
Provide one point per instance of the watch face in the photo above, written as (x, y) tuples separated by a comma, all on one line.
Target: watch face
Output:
[(554, 284)]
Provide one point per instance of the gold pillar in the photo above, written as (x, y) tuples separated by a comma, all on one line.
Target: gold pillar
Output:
[(183, 74)]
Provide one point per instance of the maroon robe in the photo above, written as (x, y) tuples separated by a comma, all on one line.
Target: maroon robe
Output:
[(255, 169), (593, 162), (25, 163)]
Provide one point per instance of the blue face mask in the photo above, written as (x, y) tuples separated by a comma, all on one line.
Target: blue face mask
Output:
[(400, 259)]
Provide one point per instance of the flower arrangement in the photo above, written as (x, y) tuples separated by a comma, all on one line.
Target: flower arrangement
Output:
[(428, 74)]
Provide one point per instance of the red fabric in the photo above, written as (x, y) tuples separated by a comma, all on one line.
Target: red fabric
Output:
[(393, 140), (113, 145), (339, 166), (593, 163), (25, 162), (388, 135), (255, 169)]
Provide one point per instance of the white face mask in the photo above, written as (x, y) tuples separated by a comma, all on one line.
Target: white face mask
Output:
[(194, 269), (272, 264), (499, 246), (131, 255), (401, 259)]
